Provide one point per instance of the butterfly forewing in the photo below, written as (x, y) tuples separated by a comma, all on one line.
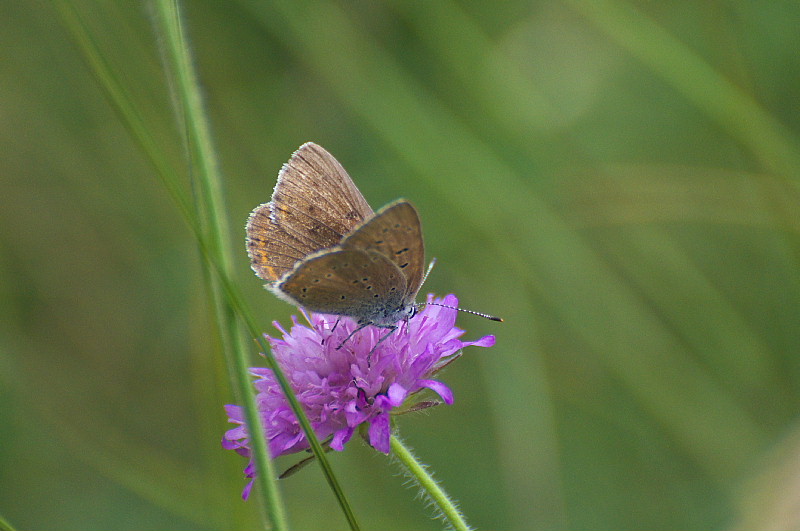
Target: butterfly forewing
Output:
[(358, 283), (396, 233), (315, 198), (314, 204)]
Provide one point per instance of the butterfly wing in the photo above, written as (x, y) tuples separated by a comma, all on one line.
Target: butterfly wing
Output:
[(317, 199), (314, 204), (361, 284), (396, 233), (272, 250)]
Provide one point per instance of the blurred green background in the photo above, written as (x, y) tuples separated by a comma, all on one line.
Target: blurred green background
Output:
[(618, 180)]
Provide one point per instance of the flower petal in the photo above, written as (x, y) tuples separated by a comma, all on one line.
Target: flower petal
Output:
[(353, 416), (440, 389), (340, 438), (485, 341), (247, 489), (379, 433), (397, 394)]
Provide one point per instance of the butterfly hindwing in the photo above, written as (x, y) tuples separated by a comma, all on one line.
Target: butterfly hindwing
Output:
[(273, 252), (395, 232), (361, 284)]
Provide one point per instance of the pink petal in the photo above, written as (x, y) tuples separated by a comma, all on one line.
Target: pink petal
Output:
[(340, 438), (397, 394), (440, 389), (379, 433)]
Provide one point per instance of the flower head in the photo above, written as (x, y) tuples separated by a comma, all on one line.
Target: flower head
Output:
[(342, 388)]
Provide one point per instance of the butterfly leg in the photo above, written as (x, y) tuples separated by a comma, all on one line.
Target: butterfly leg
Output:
[(331, 332), (391, 328), (361, 326)]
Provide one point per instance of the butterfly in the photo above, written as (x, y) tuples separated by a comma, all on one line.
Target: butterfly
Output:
[(319, 245)]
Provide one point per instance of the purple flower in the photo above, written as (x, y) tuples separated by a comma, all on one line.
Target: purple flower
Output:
[(342, 389)]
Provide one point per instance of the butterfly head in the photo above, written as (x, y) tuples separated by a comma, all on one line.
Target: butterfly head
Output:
[(389, 316)]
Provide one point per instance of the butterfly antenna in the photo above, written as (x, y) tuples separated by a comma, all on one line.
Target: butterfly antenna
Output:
[(425, 277), (479, 314), (428, 271)]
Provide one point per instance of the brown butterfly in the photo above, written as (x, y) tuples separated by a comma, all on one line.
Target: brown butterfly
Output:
[(319, 245)]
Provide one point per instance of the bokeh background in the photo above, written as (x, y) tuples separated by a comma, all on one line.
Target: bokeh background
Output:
[(619, 180)]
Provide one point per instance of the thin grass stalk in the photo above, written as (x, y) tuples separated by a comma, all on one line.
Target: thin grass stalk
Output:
[(5, 526), (131, 118), (209, 203)]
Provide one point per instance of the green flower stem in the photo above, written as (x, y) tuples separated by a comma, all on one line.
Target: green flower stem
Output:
[(420, 474)]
